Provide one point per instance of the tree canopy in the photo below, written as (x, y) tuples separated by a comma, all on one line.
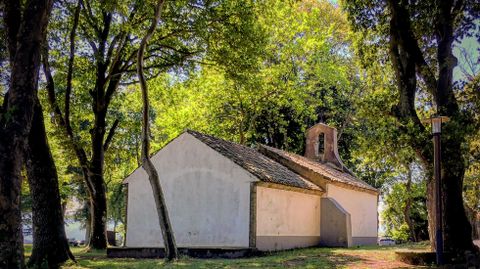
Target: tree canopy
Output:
[(252, 72)]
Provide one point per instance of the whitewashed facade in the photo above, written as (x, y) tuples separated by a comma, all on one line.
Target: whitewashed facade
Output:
[(223, 195)]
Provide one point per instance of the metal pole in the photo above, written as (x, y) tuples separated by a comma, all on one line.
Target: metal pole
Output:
[(438, 198)]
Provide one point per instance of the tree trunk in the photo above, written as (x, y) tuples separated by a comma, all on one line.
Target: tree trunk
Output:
[(241, 134), (457, 229), (64, 208), (408, 205), (161, 206), (92, 169), (98, 198), (49, 239), (88, 224), (473, 218), (98, 214), (24, 40), (408, 62), (11, 236)]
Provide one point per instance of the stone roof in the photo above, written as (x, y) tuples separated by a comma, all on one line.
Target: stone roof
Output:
[(261, 166), (327, 171)]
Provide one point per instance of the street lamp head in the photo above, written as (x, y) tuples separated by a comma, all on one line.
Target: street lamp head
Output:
[(436, 122)]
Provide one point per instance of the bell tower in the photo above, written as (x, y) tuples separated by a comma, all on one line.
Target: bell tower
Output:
[(321, 145)]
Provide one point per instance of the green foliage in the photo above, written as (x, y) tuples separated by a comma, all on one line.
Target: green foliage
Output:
[(235, 71), (26, 207), (287, 80), (221, 33), (250, 72), (471, 190), (269, 90), (401, 233), (393, 215)]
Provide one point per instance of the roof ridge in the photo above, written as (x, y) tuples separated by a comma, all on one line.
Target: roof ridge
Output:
[(316, 167), (261, 166), (190, 131)]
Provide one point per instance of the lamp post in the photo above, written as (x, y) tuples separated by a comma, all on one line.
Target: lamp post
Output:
[(436, 122)]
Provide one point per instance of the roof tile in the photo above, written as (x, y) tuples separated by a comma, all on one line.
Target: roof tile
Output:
[(256, 163), (331, 173)]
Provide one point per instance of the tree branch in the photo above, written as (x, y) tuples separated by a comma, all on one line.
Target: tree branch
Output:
[(409, 43), (71, 59), (12, 17), (445, 98), (112, 87), (52, 99), (118, 38), (88, 38), (404, 68), (90, 18), (110, 135), (122, 37), (457, 8)]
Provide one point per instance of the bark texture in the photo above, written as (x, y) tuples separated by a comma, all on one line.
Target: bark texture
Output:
[(163, 218), (50, 242), (409, 63), (49, 239), (98, 214), (24, 40)]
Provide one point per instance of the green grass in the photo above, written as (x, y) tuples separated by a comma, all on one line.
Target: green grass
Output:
[(364, 257)]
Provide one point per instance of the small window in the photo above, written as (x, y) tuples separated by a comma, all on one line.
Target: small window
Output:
[(321, 144)]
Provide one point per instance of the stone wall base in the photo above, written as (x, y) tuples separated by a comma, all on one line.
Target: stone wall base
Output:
[(152, 252)]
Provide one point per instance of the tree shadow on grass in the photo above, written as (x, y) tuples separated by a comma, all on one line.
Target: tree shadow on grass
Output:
[(328, 258), (297, 259)]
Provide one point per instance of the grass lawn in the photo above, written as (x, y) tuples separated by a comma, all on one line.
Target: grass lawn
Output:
[(364, 257)]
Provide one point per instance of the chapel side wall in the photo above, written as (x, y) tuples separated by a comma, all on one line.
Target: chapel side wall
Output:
[(336, 226), (286, 219), (362, 207), (207, 196)]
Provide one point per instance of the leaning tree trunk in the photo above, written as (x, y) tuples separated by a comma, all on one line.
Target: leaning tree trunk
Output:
[(49, 239), (162, 212)]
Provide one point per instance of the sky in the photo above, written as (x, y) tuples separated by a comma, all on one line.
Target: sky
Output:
[(472, 47)]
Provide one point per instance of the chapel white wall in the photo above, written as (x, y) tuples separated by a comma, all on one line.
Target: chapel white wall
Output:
[(286, 219), (207, 195), (361, 206)]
